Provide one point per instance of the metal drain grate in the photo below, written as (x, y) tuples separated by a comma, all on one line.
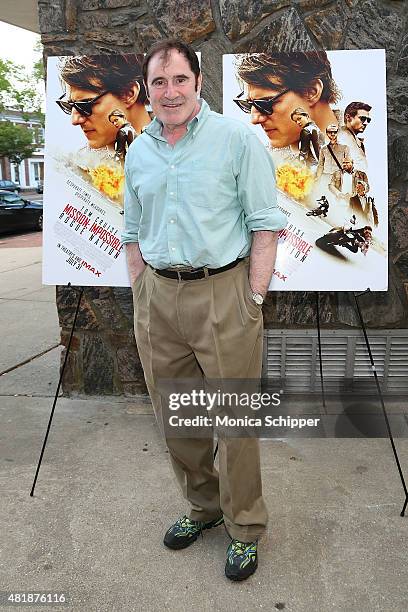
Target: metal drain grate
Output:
[(292, 356)]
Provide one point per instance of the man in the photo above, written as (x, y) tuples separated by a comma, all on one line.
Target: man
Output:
[(276, 83), (200, 199), (363, 207), (310, 137), (321, 210), (125, 135), (352, 239), (343, 184), (331, 156), (356, 119), (94, 85)]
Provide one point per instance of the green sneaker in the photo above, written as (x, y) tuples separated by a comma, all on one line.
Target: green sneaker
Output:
[(242, 560), (185, 531)]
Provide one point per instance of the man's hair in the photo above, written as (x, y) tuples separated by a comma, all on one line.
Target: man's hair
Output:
[(299, 111), (164, 47), (295, 71), (332, 127), (113, 73), (353, 108), (117, 113)]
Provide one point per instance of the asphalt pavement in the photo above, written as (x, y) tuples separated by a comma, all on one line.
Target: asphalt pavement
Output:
[(105, 495)]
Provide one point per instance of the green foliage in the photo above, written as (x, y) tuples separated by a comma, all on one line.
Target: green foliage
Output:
[(6, 86), (38, 68), (19, 89), (16, 142)]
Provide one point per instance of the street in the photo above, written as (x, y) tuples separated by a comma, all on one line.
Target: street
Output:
[(29, 356)]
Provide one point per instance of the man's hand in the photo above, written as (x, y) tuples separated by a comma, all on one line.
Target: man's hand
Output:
[(135, 262), (262, 260)]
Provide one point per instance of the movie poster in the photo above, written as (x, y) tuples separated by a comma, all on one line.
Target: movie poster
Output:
[(322, 117), (96, 107)]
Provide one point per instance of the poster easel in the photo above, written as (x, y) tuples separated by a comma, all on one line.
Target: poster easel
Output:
[(80, 290), (377, 382)]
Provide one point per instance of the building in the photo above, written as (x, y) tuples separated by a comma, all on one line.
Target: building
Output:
[(31, 170)]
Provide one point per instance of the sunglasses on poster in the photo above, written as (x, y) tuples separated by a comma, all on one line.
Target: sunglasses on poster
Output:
[(365, 119), (84, 107), (263, 105)]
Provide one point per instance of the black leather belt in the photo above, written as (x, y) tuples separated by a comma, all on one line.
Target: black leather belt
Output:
[(197, 273)]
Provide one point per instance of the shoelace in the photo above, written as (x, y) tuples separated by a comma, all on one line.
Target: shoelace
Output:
[(187, 523), (238, 548)]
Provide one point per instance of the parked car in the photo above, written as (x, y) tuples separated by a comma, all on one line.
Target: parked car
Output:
[(9, 186), (17, 213)]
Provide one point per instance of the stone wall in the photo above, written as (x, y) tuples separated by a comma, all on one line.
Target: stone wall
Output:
[(104, 357)]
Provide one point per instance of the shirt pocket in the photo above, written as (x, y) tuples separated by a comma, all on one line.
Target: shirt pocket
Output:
[(206, 185)]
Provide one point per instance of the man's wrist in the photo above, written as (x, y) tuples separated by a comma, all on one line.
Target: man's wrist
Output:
[(259, 291)]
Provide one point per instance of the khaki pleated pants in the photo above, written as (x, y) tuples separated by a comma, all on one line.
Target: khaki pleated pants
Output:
[(210, 327)]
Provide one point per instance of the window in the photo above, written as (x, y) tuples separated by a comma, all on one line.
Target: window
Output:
[(7, 199)]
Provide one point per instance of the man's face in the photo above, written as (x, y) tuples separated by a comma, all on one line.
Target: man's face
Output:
[(347, 166), (332, 136), (279, 127), (358, 123), (360, 189), (172, 89), (97, 128)]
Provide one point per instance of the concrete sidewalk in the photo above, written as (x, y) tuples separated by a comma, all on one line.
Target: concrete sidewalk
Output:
[(28, 314), (106, 494)]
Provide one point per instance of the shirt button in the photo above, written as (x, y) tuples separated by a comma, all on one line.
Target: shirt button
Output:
[(171, 192), (171, 220), (172, 166), (173, 248)]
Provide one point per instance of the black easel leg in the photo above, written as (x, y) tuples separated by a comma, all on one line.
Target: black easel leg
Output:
[(377, 382), (216, 451), (320, 347), (57, 392)]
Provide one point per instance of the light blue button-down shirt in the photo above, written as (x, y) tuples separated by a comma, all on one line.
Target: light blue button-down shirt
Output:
[(197, 202)]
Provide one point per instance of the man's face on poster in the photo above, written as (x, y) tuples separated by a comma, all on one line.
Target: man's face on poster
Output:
[(347, 165), (359, 122), (361, 190), (278, 126), (97, 128), (332, 136)]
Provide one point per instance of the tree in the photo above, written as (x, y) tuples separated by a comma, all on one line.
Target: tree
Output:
[(16, 142), (19, 89)]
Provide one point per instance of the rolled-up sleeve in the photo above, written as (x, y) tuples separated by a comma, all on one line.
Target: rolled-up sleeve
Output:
[(257, 187), (132, 211)]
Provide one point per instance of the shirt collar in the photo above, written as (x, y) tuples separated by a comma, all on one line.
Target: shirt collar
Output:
[(155, 127)]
